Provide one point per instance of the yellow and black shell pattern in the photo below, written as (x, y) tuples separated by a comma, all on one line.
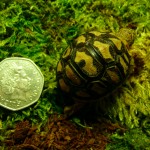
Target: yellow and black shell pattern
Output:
[(93, 66)]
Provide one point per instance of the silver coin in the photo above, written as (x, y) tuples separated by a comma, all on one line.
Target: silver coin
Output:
[(21, 83)]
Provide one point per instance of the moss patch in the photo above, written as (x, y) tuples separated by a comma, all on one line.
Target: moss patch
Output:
[(41, 30)]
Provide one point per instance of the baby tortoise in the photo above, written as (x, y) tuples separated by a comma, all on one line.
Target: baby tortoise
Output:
[(94, 66)]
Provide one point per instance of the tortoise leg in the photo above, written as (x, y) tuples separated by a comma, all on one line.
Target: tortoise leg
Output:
[(73, 109)]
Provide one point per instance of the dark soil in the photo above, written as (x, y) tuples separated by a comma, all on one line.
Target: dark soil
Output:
[(61, 134)]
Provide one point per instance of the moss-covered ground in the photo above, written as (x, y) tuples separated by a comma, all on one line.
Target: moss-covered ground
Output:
[(41, 30)]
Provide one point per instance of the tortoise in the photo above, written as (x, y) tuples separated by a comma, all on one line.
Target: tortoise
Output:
[(94, 65)]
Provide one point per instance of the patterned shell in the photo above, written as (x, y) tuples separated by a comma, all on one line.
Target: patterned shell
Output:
[(93, 66)]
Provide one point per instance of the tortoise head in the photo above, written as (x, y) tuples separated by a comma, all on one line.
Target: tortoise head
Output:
[(127, 34)]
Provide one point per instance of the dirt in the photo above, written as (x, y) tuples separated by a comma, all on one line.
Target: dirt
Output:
[(60, 133)]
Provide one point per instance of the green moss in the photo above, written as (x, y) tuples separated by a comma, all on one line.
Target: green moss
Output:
[(134, 139), (42, 29)]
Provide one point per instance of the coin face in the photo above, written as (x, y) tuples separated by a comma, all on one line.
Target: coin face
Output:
[(21, 83)]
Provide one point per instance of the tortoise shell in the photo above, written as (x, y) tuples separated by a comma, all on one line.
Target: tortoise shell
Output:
[(94, 65)]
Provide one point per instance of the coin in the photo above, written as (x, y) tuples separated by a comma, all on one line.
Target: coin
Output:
[(21, 83)]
